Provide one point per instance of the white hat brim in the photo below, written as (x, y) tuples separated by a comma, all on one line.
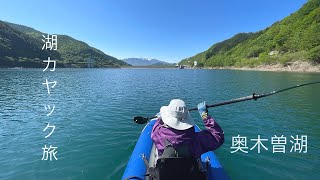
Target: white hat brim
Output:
[(169, 119)]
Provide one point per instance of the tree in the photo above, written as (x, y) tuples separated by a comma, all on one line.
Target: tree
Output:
[(314, 54)]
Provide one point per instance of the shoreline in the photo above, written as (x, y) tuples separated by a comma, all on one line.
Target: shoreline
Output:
[(296, 66)]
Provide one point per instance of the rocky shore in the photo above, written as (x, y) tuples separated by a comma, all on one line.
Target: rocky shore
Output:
[(296, 66)]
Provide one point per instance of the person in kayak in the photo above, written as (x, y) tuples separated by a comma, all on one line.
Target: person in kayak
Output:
[(174, 135)]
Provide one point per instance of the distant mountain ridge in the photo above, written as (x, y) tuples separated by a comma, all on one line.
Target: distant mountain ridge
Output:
[(20, 46), (144, 62), (296, 37)]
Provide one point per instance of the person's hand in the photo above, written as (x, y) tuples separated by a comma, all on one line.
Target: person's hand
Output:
[(202, 108)]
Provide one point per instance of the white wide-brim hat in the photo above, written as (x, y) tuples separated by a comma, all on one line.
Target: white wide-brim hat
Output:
[(176, 115)]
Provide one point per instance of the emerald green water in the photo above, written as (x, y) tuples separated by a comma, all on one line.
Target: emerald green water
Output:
[(95, 134)]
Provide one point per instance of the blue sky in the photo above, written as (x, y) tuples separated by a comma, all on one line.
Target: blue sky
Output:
[(168, 30)]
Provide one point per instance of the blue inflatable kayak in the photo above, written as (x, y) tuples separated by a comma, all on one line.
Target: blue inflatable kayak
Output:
[(144, 146)]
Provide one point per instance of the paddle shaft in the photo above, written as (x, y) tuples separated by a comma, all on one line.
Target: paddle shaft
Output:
[(254, 96), (246, 98)]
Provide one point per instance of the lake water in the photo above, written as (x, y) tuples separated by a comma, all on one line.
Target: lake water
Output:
[(95, 134)]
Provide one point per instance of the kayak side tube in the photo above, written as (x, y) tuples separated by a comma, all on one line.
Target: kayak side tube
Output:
[(136, 166)]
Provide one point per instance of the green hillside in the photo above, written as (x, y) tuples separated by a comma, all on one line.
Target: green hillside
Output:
[(19, 49), (21, 46), (296, 37)]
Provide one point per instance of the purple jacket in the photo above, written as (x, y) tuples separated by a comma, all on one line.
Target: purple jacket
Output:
[(198, 142)]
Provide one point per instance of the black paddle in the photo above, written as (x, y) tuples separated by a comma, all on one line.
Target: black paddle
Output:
[(143, 120)]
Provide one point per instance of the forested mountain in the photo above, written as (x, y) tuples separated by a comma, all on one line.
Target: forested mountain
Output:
[(296, 37), (144, 62), (22, 46)]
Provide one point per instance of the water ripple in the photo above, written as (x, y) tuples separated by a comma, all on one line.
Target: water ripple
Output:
[(95, 134)]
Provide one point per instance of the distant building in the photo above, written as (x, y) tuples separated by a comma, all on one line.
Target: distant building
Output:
[(195, 63), (90, 63), (180, 66)]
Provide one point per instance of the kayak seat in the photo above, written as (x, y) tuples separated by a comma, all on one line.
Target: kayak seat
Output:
[(179, 168), (176, 164)]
